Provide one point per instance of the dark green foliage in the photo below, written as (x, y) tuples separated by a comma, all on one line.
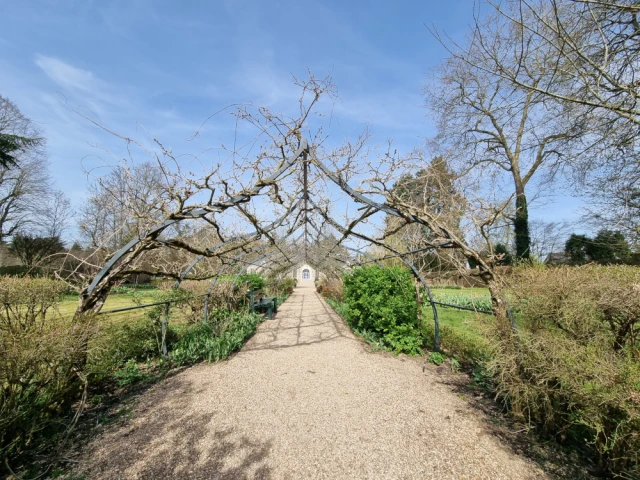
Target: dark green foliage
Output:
[(521, 227), (507, 258), (607, 247), (129, 374), (382, 302), (33, 250), (19, 271), (13, 145), (252, 281), (577, 247), (610, 247), (432, 189), (215, 339), (436, 358)]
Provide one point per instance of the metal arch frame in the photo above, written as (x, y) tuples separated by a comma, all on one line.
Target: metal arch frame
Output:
[(216, 207), (245, 196), (392, 211), (366, 200)]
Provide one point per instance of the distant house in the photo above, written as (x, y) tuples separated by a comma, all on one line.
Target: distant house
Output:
[(558, 258), (302, 271)]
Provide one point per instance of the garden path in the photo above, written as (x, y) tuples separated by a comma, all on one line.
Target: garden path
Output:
[(305, 399)]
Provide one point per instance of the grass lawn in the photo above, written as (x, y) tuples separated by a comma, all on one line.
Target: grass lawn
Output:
[(461, 332), (68, 305), (472, 292)]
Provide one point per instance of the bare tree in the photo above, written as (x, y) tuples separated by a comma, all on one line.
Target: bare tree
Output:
[(548, 237), (55, 215), (593, 76), (22, 190), (122, 204), (492, 128), (23, 169), (273, 200)]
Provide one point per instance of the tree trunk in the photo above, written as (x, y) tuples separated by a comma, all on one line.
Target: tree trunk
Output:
[(500, 309), (521, 225)]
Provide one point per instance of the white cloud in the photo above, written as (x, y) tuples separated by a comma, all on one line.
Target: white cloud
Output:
[(67, 75), (83, 85)]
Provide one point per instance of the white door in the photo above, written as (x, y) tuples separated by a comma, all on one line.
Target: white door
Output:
[(306, 274)]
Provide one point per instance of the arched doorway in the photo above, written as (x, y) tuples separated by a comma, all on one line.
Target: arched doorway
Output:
[(306, 275)]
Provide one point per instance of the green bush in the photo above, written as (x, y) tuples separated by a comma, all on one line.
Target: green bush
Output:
[(251, 281), (19, 271), (577, 370), (382, 301), (436, 358), (215, 339), (137, 340), (129, 374)]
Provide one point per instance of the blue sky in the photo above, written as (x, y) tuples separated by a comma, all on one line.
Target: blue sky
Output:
[(160, 68)]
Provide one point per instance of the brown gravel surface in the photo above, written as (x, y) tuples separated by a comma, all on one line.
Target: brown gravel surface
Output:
[(304, 399)]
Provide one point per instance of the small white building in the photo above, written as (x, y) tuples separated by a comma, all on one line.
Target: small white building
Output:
[(304, 271), (301, 272)]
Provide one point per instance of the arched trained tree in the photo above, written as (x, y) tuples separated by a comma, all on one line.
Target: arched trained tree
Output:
[(258, 199)]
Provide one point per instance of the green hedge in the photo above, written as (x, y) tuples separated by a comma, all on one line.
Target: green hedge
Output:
[(19, 271), (381, 304)]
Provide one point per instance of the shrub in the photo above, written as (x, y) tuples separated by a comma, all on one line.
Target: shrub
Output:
[(332, 289), (19, 271), (43, 357), (280, 286), (288, 284), (137, 340), (577, 371), (251, 281), (383, 301), (436, 358), (130, 374), (215, 339)]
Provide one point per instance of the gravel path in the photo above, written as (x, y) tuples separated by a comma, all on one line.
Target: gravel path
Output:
[(304, 399)]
